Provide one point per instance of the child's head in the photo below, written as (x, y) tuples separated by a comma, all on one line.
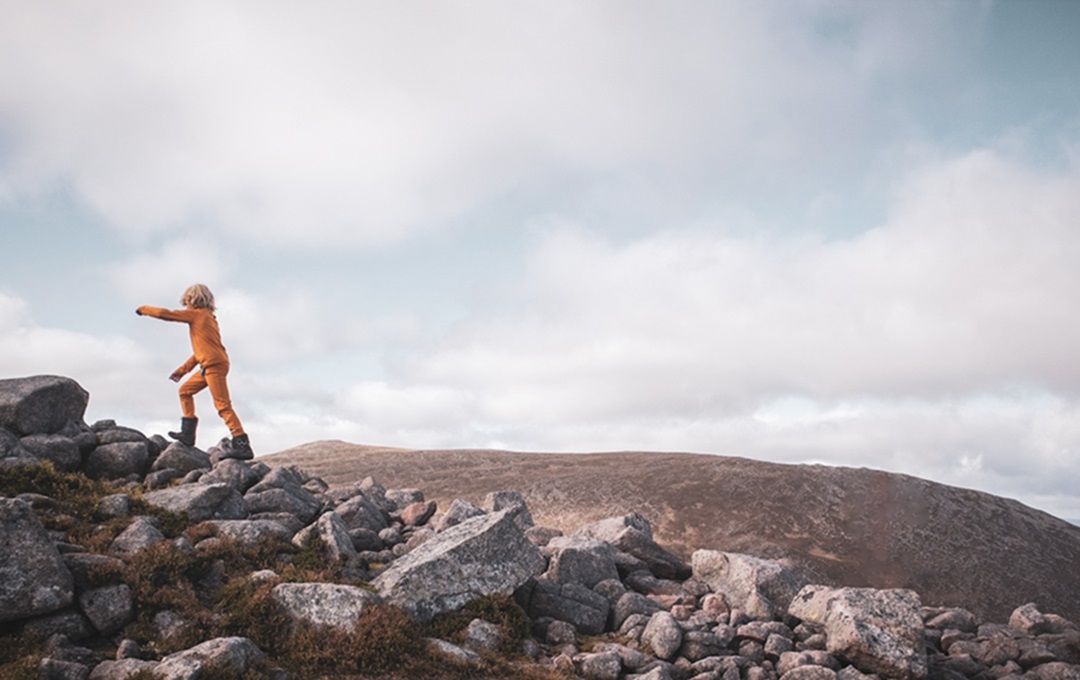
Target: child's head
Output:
[(198, 297)]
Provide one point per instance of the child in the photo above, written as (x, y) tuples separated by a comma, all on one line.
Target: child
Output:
[(209, 354)]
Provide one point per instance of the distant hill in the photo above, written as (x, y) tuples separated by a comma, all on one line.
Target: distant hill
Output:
[(846, 526)]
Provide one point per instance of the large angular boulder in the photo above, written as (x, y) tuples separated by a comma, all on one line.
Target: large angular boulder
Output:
[(360, 513), (324, 604), (41, 404), (761, 588), (200, 501), (877, 631), (632, 534), (485, 555), (33, 578), (237, 474)]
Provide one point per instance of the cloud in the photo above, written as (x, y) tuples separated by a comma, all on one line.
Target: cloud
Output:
[(161, 278), (367, 123), (112, 368)]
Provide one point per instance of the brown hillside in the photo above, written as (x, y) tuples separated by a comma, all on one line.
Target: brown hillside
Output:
[(842, 526)]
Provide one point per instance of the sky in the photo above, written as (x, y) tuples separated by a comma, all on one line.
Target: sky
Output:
[(822, 231)]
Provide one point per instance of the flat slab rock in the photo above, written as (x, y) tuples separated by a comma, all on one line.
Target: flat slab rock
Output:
[(486, 555)]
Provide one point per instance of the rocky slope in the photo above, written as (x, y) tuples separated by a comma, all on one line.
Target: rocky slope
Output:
[(127, 557), (839, 525)]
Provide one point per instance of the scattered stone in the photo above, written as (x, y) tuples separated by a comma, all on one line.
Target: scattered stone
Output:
[(140, 534)]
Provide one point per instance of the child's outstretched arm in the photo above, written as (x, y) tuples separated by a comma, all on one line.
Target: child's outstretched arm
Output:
[(184, 315)]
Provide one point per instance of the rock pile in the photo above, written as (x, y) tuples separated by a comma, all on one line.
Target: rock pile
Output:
[(604, 602)]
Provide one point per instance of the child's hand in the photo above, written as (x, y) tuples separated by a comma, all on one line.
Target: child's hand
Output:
[(139, 311), (176, 375)]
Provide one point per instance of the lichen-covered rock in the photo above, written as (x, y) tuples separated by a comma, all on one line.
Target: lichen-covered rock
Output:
[(232, 656), (632, 534), (509, 500), (761, 588), (663, 635), (877, 631), (324, 604), (33, 578), (42, 404), (251, 532), (140, 534), (577, 559), (109, 608), (485, 555), (200, 501), (331, 529)]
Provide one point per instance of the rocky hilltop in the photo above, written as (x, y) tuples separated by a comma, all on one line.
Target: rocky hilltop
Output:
[(836, 525), (127, 557)]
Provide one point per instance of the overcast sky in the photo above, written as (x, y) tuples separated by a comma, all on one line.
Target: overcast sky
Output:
[(838, 232)]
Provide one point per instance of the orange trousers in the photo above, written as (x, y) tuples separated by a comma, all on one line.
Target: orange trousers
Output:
[(214, 378)]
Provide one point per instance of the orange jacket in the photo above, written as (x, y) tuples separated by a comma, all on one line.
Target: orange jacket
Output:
[(205, 335)]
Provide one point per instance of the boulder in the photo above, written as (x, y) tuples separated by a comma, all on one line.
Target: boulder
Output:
[(181, 458), (62, 451), (459, 512), (324, 604), (109, 608), (293, 500), (509, 500), (335, 537), (577, 559), (121, 669), (230, 656), (42, 404), (761, 588), (418, 513), (663, 635), (33, 578), (632, 534), (235, 473), (485, 555), (572, 603), (251, 532), (200, 501), (117, 460), (13, 453), (877, 631), (360, 513), (141, 533)]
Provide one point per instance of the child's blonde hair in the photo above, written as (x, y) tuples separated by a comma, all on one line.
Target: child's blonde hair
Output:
[(198, 297)]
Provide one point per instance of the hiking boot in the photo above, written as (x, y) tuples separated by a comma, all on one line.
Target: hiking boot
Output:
[(241, 447), (186, 435)]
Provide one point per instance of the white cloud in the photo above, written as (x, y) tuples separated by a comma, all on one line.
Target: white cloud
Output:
[(112, 368), (367, 122), (160, 279)]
